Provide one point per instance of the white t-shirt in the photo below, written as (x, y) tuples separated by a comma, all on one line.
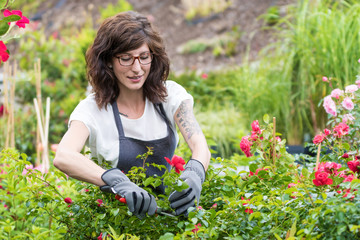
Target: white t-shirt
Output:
[(103, 140)]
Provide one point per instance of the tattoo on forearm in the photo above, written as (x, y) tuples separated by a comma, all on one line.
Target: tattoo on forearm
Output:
[(187, 120)]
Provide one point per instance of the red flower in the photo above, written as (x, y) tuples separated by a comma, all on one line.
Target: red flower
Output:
[(341, 129), (319, 139), (68, 200), (322, 178), (100, 202), (214, 206), (4, 54), (345, 155), (177, 162), (349, 178), (196, 227), (204, 76), (354, 165), (23, 20), (100, 237), (245, 145), (249, 211), (256, 127), (327, 131)]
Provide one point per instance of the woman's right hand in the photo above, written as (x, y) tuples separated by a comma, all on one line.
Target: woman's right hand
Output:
[(139, 201)]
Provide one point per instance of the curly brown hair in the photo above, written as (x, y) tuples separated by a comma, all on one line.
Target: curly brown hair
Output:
[(123, 32)]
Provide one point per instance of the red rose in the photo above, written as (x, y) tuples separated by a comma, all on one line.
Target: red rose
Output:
[(100, 202), (196, 228), (68, 200), (177, 162), (322, 178), (353, 165), (249, 211), (345, 155), (100, 237)]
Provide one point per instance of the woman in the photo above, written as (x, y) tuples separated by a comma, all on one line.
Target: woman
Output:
[(132, 107)]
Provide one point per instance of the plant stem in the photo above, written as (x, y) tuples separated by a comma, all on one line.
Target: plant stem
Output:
[(318, 158)]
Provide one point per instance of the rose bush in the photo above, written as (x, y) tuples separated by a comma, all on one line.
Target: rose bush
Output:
[(10, 19), (276, 199)]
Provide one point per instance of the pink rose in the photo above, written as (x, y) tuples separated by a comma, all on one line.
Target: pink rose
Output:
[(348, 117), (255, 126), (341, 129), (349, 178), (351, 88), (245, 146), (358, 82), (336, 93), (290, 185), (318, 139), (330, 106), (327, 132), (347, 103), (325, 79)]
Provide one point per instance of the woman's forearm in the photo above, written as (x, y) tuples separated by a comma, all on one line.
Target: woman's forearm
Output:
[(79, 167)]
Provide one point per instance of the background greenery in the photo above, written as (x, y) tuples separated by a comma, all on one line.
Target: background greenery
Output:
[(316, 39)]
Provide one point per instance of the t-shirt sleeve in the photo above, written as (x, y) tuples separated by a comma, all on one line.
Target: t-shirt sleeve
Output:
[(83, 114), (176, 94)]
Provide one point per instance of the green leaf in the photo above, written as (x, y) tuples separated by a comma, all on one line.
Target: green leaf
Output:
[(115, 212), (346, 146), (4, 27), (167, 236), (148, 181), (293, 229), (253, 167), (266, 118), (11, 18), (277, 237), (305, 172)]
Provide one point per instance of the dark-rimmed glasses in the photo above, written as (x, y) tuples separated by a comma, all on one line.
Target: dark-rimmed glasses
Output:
[(128, 59)]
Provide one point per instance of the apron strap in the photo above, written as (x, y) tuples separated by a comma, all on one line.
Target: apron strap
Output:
[(117, 119)]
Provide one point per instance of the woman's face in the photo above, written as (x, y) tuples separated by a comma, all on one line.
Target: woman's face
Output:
[(132, 77)]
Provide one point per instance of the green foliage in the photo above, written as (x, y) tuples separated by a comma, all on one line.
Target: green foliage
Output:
[(222, 45), (112, 10), (276, 199), (200, 8)]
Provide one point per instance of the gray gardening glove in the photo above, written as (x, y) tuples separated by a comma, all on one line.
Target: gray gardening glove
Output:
[(138, 200), (194, 176)]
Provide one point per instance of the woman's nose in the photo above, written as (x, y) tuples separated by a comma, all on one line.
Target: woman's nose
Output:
[(136, 67)]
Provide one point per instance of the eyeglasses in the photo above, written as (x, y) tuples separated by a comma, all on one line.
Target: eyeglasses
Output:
[(128, 60)]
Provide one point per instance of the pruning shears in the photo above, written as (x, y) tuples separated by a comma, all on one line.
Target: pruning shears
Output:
[(159, 210)]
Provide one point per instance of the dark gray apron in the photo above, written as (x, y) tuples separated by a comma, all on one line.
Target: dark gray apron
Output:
[(130, 148)]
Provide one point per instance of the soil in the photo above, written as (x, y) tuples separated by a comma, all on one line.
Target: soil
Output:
[(168, 17)]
